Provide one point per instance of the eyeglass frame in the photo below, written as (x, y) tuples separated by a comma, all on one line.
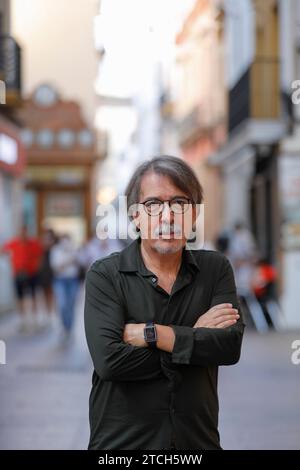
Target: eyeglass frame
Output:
[(189, 203)]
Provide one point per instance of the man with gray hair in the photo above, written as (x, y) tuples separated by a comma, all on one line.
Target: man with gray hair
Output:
[(159, 320)]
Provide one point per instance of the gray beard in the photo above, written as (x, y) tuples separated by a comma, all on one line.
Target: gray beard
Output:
[(164, 250)]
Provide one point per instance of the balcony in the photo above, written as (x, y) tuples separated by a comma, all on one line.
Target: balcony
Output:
[(256, 95), (10, 69)]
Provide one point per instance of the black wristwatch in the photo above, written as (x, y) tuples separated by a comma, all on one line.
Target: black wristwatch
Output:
[(150, 334)]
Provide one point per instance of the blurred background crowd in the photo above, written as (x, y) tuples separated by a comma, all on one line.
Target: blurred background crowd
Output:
[(89, 90)]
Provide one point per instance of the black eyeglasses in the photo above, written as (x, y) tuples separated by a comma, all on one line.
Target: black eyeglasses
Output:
[(178, 205)]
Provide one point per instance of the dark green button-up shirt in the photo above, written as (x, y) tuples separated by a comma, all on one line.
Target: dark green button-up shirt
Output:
[(143, 398)]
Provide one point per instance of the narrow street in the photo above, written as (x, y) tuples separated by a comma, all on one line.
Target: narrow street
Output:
[(44, 390), (178, 123)]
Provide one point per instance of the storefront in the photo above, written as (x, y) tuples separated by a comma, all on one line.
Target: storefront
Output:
[(58, 197), (12, 161)]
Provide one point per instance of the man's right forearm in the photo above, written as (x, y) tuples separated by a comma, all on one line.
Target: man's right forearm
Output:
[(124, 362)]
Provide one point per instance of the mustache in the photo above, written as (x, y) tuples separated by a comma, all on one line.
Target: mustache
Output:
[(166, 229)]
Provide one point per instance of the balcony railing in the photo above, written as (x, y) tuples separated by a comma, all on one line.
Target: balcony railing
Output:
[(257, 93), (10, 68)]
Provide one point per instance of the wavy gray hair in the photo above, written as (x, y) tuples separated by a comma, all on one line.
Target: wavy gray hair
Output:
[(179, 172)]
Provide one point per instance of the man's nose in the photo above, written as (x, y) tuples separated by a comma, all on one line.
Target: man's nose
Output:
[(166, 212)]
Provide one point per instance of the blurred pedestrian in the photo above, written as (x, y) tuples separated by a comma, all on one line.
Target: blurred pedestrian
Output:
[(263, 285), (26, 253), (243, 255), (97, 248), (49, 239), (222, 242), (63, 260)]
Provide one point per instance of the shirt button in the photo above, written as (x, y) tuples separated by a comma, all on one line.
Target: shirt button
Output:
[(154, 279)]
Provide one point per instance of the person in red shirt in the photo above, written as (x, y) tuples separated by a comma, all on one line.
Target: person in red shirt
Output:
[(263, 285), (25, 254), (264, 277)]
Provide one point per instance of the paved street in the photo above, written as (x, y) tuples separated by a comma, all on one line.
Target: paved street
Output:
[(44, 389), (259, 397), (44, 392)]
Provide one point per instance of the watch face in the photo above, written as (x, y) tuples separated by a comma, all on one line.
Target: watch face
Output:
[(150, 333)]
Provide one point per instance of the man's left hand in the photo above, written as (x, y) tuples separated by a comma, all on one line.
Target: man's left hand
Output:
[(134, 334)]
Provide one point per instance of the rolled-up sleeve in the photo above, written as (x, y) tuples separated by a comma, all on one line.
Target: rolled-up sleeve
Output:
[(212, 346), (104, 320)]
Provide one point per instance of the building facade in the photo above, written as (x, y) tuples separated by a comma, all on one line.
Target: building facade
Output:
[(61, 159), (12, 153), (199, 107), (259, 162), (289, 162)]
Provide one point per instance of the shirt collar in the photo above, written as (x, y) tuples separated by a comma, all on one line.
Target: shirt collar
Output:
[(131, 259)]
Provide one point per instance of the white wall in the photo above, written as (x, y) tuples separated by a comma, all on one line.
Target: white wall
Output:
[(238, 175), (240, 38), (58, 47), (287, 37)]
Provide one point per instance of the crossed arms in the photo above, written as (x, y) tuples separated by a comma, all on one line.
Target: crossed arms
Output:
[(119, 352)]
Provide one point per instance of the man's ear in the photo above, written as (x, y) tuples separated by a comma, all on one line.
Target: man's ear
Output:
[(136, 222), (135, 217)]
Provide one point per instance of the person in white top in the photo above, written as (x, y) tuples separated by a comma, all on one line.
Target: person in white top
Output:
[(63, 260), (97, 248), (242, 254)]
